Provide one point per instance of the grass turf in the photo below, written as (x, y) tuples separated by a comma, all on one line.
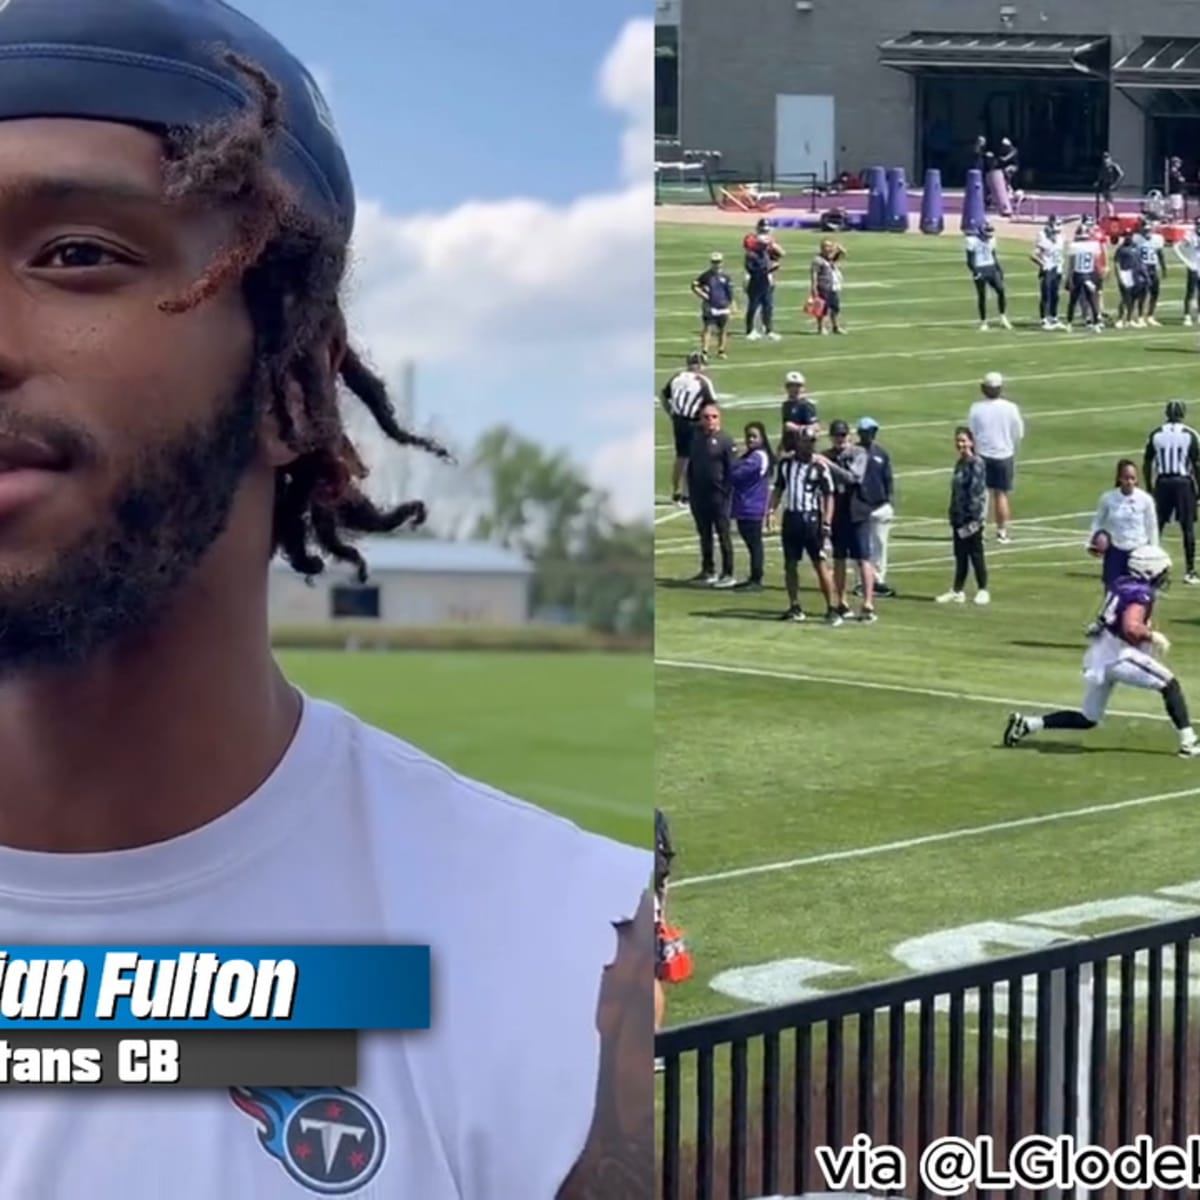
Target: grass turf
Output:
[(852, 779), (542, 727)]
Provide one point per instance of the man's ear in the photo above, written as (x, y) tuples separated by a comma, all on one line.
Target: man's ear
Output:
[(275, 449)]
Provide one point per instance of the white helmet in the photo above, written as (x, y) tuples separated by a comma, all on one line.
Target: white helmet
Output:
[(1151, 564)]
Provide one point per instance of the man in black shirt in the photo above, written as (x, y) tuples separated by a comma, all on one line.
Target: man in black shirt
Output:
[(714, 288), (710, 491), (1108, 179), (798, 412), (805, 488)]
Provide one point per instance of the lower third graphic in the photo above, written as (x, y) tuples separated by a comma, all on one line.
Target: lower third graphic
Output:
[(329, 1140)]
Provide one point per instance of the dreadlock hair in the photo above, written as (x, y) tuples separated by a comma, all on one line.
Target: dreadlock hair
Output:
[(291, 268)]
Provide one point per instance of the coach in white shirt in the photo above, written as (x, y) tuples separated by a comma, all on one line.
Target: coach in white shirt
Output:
[(1125, 519), (998, 428)]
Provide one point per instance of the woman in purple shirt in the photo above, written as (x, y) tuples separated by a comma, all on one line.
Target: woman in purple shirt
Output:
[(752, 474)]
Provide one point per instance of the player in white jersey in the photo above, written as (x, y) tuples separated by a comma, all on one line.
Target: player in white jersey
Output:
[(176, 225), (1085, 256), (984, 264), (1049, 256), (1150, 245), (1187, 250)]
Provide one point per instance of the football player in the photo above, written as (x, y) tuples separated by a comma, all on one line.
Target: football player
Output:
[(1126, 650), (1187, 250), (986, 271), (1048, 256)]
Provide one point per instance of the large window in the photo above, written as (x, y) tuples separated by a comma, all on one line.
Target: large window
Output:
[(1060, 126), (358, 603), (666, 81)]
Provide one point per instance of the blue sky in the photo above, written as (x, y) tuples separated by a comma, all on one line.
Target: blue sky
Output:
[(451, 91), (448, 114)]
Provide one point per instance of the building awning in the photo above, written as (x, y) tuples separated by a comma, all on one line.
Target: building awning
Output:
[(996, 53), (1169, 63)]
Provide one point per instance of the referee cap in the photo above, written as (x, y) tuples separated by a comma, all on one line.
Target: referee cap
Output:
[(1176, 410), (160, 64), (993, 380), (695, 358), (794, 377)]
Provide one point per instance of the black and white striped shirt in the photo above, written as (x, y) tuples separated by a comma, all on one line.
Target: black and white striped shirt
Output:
[(805, 486), (686, 393), (1173, 449)]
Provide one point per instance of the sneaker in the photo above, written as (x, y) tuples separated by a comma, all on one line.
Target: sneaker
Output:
[(774, 337), (1154, 321), (833, 618), (843, 610), (983, 596), (794, 613), (754, 336), (725, 581), (867, 616), (705, 578), (983, 327), (952, 598), (1003, 536), (1191, 750), (1119, 325), (1006, 322), (748, 585), (1188, 319), (1015, 730), (1191, 577), (881, 589)]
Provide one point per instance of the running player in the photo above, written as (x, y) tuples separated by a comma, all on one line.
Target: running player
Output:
[(1126, 650)]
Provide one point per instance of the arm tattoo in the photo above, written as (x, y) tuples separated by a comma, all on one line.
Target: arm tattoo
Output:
[(618, 1161)]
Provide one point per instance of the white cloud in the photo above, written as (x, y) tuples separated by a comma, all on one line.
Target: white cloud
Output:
[(542, 312), (627, 85), (625, 469)]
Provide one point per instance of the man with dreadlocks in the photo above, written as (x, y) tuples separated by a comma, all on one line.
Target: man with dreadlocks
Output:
[(175, 212)]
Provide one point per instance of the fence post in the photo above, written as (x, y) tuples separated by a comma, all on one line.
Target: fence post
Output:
[(1083, 1066), (1060, 1031)]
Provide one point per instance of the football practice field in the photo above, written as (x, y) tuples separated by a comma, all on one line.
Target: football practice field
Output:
[(840, 799), (540, 726)]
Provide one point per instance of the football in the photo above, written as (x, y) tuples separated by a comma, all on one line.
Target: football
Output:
[(1099, 543)]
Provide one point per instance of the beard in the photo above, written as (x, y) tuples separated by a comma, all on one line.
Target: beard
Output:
[(117, 578)]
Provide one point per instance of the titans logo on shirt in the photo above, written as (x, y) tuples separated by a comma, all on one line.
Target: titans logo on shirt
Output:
[(329, 1140)]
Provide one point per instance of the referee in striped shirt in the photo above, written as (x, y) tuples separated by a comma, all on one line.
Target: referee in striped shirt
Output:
[(805, 488), (683, 396), (1171, 469)]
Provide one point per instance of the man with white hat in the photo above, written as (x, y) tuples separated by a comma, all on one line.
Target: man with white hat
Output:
[(714, 288), (799, 410), (998, 429)]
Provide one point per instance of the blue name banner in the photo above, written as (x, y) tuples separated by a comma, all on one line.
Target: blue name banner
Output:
[(215, 987)]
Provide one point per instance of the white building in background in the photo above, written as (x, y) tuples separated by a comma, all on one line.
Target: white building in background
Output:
[(414, 581)]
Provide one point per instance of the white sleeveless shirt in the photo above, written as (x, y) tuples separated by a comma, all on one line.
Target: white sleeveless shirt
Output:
[(355, 837)]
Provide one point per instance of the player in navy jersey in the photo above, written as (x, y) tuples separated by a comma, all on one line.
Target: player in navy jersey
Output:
[(1125, 650)]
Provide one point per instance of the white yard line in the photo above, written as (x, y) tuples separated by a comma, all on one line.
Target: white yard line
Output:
[(889, 388), (875, 686), (932, 839)]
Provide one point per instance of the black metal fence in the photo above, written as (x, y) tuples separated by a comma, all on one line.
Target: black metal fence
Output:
[(1089, 1038)]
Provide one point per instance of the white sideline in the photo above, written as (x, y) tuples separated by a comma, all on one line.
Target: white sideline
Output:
[(930, 839)]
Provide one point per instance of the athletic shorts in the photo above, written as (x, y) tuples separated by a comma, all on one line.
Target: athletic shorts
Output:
[(801, 537), (998, 474)]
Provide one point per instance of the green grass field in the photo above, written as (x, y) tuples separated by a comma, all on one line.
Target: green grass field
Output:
[(542, 727), (842, 804)]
